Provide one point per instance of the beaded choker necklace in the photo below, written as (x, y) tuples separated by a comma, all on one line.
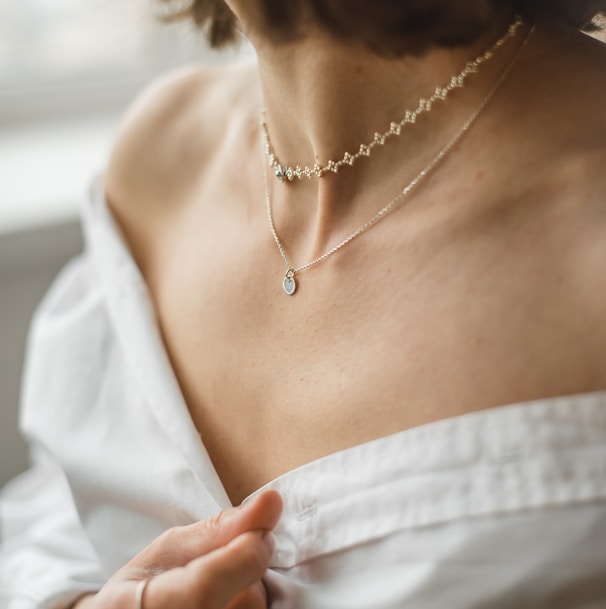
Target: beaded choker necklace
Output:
[(290, 173)]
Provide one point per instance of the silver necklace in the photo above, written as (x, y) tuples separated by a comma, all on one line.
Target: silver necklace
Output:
[(289, 282), (289, 173)]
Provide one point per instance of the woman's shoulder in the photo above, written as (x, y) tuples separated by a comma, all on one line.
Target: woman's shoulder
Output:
[(567, 126), (170, 136), (559, 115), (177, 121)]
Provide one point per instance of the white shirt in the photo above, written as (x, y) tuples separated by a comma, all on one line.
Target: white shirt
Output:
[(500, 508)]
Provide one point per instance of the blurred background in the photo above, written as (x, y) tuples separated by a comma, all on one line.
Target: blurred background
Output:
[(68, 69)]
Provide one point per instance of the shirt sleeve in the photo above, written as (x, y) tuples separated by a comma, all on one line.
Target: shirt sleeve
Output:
[(46, 558)]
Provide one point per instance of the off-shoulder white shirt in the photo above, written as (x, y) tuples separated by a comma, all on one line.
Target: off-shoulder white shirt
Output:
[(500, 508)]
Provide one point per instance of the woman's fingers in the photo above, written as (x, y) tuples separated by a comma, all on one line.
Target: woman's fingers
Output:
[(254, 597), (217, 579), (261, 513), (180, 545), (214, 564)]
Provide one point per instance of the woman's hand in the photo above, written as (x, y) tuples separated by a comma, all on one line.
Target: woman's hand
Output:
[(214, 564)]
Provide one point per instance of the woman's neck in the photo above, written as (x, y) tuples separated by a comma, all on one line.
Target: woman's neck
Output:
[(324, 98)]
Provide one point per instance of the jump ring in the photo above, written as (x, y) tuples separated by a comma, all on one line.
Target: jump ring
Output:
[(140, 592)]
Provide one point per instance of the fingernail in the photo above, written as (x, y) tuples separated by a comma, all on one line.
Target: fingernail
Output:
[(248, 503)]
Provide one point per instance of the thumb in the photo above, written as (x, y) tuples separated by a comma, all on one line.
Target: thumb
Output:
[(261, 513), (180, 545)]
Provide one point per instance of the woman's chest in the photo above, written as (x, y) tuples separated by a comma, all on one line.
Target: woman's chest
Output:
[(374, 341)]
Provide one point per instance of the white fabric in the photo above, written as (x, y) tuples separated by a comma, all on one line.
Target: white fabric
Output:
[(502, 508)]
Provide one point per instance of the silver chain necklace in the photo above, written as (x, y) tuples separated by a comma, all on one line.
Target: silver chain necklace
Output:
[(289, 283), (290, 173)]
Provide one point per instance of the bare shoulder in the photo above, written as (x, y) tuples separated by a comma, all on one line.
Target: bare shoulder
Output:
[(168, 140), (576, 90), (171, 133), (566, 118), (555, 165), (577, 177)]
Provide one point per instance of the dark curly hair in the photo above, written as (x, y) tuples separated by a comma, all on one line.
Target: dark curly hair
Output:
[(387, 27)]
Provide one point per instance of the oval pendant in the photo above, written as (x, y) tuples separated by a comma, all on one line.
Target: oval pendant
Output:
[(289, 285)]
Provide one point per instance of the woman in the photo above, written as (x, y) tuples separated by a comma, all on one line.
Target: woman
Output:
[(369, 310)]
